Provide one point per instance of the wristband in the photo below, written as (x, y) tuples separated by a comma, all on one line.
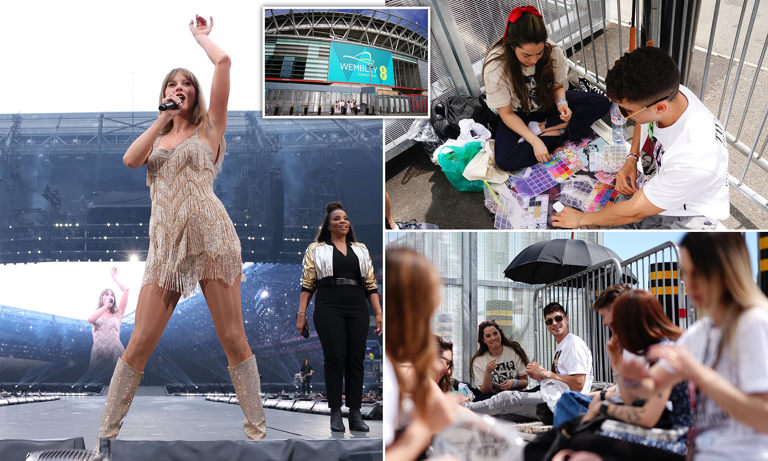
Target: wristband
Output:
[(634, 155), (515, 382), (602, 394), (561, 101), (604, 408), (301, 313), (578, 220)]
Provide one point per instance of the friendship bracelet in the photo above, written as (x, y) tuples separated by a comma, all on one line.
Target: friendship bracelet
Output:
[(561, 101), (634, 155)]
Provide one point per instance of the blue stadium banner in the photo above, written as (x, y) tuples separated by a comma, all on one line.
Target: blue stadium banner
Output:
[(360, 64)]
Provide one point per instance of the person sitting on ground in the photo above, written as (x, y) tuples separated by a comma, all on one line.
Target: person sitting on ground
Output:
[(444, 365), (685, 149), (499, 363), (724, 356), (575, 403), (571, 369), (526, 77)]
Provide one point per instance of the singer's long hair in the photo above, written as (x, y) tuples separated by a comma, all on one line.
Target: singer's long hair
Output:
[(199, 111), (113, 307)]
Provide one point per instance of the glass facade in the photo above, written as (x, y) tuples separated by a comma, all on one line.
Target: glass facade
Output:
[(474, 287), (407, 74)]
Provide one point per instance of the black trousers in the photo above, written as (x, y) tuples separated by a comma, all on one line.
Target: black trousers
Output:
[(342, 331), (306, 385), (586, 108)]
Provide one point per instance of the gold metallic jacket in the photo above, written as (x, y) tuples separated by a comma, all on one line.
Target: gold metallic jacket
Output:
[(318, 264)]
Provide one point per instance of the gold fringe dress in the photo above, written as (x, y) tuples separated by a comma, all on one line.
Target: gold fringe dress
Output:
[(190, 234)]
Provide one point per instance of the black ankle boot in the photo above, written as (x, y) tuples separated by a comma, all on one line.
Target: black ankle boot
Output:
[(337, 424), (356, 422)]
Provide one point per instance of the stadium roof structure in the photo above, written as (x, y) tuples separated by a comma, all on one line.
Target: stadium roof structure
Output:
[(368, 27)]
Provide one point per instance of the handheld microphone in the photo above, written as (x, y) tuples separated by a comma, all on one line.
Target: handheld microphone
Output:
[(170, 105)]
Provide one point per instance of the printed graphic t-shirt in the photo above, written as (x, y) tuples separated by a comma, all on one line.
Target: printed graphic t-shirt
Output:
[(573, 357), (499, 87), (689, 164), (509, 365)]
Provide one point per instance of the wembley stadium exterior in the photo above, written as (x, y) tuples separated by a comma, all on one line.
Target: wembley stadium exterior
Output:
[(373, 61)]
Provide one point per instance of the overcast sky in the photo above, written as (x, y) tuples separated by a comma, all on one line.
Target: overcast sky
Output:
[(91, 56)]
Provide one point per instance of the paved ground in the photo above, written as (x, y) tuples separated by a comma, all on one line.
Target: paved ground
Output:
[(418, 190), (154, 417)]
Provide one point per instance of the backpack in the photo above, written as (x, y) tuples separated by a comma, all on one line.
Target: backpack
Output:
[(447, 114)]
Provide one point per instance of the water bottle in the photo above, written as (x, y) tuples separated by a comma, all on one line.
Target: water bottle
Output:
[(618, 125)]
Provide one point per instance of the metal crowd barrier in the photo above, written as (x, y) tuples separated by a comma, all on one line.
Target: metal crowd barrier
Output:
[(654, 270), (576, 293), (462, 31)]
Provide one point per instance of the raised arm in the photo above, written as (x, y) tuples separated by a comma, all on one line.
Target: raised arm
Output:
[(123, 296), (217, 111)]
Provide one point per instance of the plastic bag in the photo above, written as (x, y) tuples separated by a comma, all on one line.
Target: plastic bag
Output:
[(479, 438), (473, 131), (422, 131), (453, 160)]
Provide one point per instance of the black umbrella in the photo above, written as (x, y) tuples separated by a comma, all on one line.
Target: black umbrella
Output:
[(552, 260)]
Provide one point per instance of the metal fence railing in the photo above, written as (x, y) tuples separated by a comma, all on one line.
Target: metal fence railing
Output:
[(654, 270), (576, 293), (462, 31)]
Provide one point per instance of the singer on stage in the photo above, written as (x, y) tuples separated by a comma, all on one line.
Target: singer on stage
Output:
[(105, 326), (191, 238), (341, 271)]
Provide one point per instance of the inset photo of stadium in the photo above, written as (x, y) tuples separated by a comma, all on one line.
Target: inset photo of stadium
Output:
[(346, 62)]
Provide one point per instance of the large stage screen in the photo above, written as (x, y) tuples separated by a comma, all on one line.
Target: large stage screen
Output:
[(51, 330), (360, 64)]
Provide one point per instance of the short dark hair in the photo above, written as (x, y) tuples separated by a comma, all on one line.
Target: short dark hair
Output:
[(554, 307), (642, 76), (609, 295)]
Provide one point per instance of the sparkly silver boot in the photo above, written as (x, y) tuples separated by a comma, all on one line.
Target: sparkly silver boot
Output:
[(245, 378), (122, 388)]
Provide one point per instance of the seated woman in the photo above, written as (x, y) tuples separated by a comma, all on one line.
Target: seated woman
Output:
[(639, 323), (724, 355), (412, 294), (444, 365), (499, 363), (526, 79)]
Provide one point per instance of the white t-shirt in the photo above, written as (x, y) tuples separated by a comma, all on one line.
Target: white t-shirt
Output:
[(391, 402), (691, 164), (745, 365), (509, 365), (499, 88), (573, 357)]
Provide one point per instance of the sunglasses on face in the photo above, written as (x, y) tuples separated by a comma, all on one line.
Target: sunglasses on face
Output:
[(627, 115), (555, 319)]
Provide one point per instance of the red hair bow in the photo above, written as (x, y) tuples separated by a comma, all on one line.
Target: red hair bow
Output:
[(515, 14)]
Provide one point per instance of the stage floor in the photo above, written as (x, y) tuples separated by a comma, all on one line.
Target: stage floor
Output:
[(154, 417)]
